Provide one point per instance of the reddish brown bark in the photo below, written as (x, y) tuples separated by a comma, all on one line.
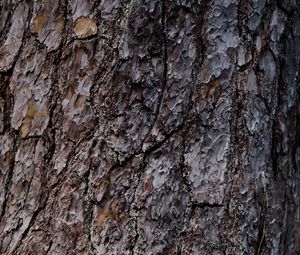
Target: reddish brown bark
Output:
[(149, 127)]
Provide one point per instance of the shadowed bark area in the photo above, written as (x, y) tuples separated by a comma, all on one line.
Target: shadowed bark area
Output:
[(149, 127)]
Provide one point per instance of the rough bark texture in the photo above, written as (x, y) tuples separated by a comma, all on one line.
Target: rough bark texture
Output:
[(149, 127)]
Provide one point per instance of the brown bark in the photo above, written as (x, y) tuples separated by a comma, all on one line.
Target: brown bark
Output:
[(149, 127)]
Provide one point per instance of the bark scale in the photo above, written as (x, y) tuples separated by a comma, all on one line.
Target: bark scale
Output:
[(149, 127)]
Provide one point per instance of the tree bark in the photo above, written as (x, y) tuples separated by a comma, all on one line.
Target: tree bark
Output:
[(149, 127)]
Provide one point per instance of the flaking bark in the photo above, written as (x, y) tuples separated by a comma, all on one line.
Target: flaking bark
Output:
[(149, 127)]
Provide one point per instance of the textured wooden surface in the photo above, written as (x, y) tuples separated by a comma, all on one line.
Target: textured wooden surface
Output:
[(149, 127)]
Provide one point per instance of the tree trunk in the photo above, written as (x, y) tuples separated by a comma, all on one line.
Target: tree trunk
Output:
[(149, 127)]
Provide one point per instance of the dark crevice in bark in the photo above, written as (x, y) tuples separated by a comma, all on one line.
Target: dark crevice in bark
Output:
[(205, 205), (262, 223), (282, 8), (7, 25), (236, 125), (245, 67), (202, 7), (96, 5), (89, 38), (49, 247), (8, 100), (182, 166), (164, 40), (55, 95), (274, 152), (242, 17), (88, 218), (276, 134), (284, 238)]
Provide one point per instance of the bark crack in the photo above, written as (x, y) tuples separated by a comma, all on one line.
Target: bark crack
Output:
[(165, 67), (262, 222), (90, 203)]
